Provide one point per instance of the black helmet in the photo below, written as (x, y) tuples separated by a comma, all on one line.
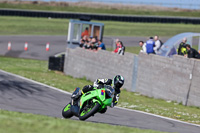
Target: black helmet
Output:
[(118, 82)]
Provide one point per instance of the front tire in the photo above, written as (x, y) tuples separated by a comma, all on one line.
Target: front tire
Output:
[(86, 113), (66, 112), (103, 110)]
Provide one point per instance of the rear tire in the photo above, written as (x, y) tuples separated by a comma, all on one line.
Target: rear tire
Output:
[(84, 114), (66, 112)]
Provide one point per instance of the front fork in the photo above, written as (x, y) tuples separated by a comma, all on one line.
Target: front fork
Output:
[(72, 102), (75, 107)]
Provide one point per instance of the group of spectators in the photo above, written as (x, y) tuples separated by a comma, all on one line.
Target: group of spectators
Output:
[(185, 49), (151, 46), (91, 43)]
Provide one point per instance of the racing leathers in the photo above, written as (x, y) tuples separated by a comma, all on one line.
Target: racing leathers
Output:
[(182, 49), (98, 84)]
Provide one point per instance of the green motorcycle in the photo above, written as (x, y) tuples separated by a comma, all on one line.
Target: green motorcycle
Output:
[(89, 103)]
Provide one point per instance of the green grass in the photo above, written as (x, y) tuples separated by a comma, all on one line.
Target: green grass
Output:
[(160, 107), (33, 26), (14, 122), (37, 70), (121, 11), (44, 26)]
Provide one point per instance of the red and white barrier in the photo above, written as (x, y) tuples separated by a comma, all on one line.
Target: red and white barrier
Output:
[(9, 45), (47, 47), (26, 46)]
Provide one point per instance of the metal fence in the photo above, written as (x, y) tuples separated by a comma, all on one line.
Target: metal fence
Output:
[(147, 19)]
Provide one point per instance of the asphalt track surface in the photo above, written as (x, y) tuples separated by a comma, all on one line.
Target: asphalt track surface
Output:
[(22, 95), (58, 44), (36, 46)]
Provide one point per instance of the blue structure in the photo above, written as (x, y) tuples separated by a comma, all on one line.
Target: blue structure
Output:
[(169, 48)]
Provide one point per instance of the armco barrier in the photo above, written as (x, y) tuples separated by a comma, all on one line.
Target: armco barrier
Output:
[(125, 18), (175, 79)]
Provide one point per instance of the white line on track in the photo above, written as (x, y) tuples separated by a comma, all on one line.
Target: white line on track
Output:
[(115, 107), (159, 116)]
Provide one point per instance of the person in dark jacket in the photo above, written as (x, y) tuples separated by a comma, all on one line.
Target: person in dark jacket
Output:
[(192, 53)]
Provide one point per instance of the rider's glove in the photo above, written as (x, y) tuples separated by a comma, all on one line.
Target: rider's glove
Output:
[(100, 86)]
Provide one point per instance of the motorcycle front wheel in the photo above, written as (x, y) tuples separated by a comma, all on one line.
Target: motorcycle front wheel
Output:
[(66, 112), (89, 110)]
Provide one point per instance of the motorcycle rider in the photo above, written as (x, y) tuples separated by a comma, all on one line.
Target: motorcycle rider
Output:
[(116, 83)]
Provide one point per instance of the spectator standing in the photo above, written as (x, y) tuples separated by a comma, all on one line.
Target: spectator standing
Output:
[(150, 45), (121, 50), (182, 47), (101, 45), (192, 53), (85, 32), (143, 45), (157, 44), (118, 45)]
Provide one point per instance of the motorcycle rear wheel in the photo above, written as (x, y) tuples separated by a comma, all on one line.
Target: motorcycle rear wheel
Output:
[(66, 112), (84, 114)]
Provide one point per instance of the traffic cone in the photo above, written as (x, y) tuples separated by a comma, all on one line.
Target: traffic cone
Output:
[(26, 46), (9, 45), (47, 47)]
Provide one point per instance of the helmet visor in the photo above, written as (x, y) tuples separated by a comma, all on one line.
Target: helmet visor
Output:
[(118, 84)]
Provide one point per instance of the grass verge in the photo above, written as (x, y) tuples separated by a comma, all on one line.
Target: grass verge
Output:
[(23, 122), (103, 9), (37, 70), (44, 26)]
